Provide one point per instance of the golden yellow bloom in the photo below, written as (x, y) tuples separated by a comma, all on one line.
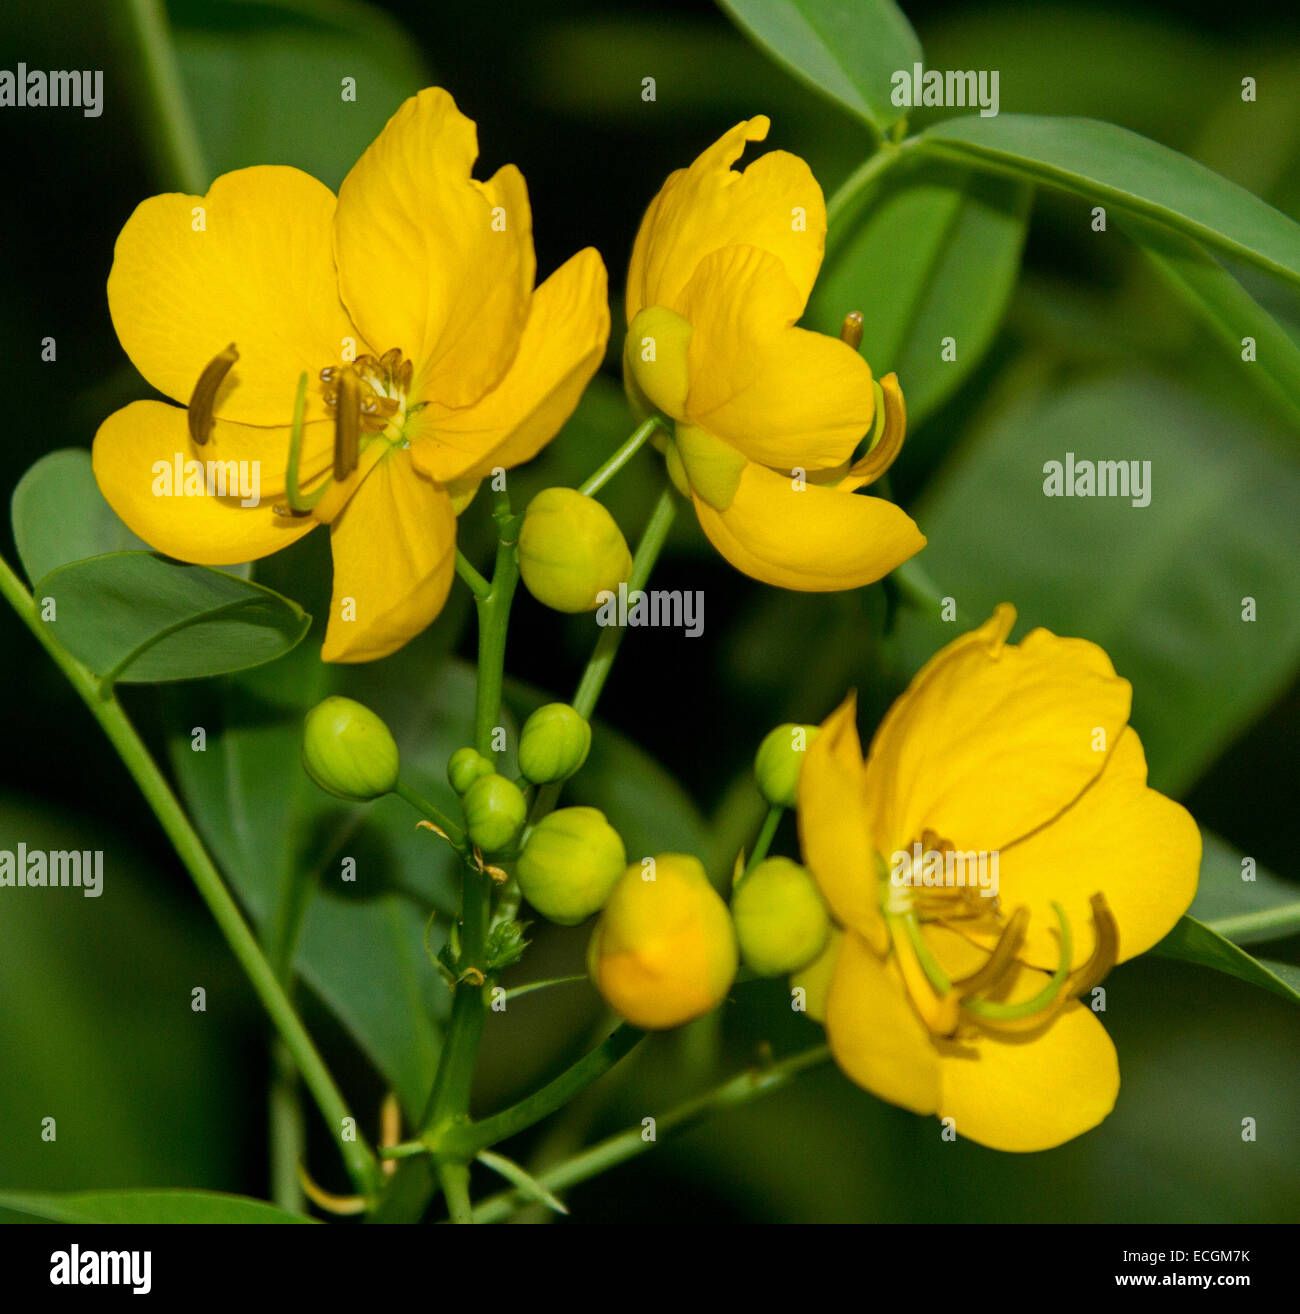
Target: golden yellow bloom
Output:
[(974, 1001), (767, 416), (408, 301), (664, 950)]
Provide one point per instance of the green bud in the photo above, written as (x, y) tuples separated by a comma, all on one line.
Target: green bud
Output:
[(781, 919), (571, 550), (465, 766), (348, 751), (779, 760), (495, 811), (570, 863), (553, 744)]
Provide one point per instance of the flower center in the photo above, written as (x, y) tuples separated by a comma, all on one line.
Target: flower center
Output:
[(370, 393), (933, 884)]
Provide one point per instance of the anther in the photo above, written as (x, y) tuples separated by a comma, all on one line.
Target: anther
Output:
[(851, 329), (347, 425), (204, 396)]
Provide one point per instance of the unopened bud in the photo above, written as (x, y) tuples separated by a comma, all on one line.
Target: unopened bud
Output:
[(465, 766), (664, 949), (780, 759), (571, 550), (348, 751), (553, 744), (570, 863), (495, 812), (781, 919)]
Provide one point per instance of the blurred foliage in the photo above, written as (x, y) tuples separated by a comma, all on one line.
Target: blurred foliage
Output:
[(1072, 340)]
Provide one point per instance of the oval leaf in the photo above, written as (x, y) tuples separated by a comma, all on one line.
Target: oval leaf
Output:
[(59, 515), (1105, 163), (847, 49), (134, 617), (1194, 942)]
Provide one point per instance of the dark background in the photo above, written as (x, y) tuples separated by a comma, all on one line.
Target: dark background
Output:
[(88, 1013)]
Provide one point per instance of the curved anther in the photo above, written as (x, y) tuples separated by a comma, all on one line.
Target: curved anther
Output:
[(204, 396), (347, 425), (987, 1010), (1001, 961)]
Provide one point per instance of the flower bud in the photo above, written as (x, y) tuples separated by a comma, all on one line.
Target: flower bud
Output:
[(655, 360), (495, 811), (664, 950), (569, 864), (465, 766), (779, 760), (553, 744), (348, 751), (571, 550), (781, 919)]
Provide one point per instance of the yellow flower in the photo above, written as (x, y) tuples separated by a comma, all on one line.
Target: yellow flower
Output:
[(767, 416), (976, 1002), (408, 301)]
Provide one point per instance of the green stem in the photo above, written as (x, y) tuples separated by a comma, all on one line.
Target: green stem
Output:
[(765, 837), (357, 1155), (647, 553), (516, 991), (285, 1131), (455, 1188), (478, 586), (620, 458), (863, 177), (168, 111), (467, 1141), (455, 834), (628, 1144), (915, 584)]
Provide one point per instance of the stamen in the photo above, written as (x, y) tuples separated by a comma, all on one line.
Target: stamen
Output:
[(890, 442), (298, 503), (347, 425), (851, 329), (204, 396), (1000, 961), (927, 983), (987, 1010), (1105, 953)]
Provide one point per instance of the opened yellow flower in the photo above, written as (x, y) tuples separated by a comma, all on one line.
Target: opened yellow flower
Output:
[(409, 303), (767, 417), (976, 1001)]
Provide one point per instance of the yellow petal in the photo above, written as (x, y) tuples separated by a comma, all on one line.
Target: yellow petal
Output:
[(992, 739), (394, 548), (775, 204), (561, 348), (833, 831), (431, 261), (815, 979), (817, 539), (783, 396), (135, 459), (875, 1034), (260, 274), (1138, 848), (1030, 1091)]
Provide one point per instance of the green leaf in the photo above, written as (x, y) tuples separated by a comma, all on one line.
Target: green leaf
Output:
[(265, 80), (1115, 167), (1194, 942), (1243, 902), (846, 49), (137, 618), (59, 515), (1159, 587), (145, 1207), (1215, 295), (933, 253), (527, 1185)]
